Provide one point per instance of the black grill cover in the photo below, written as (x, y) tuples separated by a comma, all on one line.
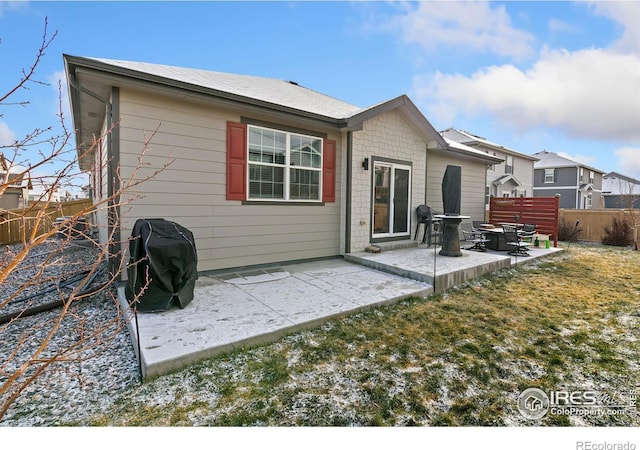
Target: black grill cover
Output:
[(169, 252)]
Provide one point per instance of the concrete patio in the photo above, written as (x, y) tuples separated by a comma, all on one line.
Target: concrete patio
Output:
[(240, 308)]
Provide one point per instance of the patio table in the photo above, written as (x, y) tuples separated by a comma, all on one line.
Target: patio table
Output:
[(495, 237)]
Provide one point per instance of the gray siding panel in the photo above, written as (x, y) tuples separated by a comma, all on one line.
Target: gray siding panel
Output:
[(192, 190), (473, 183)]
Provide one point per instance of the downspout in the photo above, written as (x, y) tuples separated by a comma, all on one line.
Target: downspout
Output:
[(426, 172), (113, 151), (577, 187), (348, 193)]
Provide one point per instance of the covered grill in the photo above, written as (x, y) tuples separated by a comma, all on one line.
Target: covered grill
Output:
[(167, 250)]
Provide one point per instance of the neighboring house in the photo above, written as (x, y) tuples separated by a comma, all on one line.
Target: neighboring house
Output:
[(578, 185), (512, 177), (620, 191), (265, 170), (16, 191), (42, 192)]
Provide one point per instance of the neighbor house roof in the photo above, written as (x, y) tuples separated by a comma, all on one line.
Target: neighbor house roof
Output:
[(472, 140), (463, 149), (615, 183), (551, 160)]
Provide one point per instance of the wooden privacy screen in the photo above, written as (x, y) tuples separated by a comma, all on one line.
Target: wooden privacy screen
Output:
[(541, 211)]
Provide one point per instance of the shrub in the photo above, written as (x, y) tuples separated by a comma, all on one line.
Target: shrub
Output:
[(568, 231), (619, 233)]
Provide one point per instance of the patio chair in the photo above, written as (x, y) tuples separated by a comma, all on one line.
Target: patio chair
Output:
[(469, 233), (479, 242), (432, 233), (517, 246), (475, 225), (527, 231)]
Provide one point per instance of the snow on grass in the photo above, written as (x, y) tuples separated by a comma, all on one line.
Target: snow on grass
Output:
[(458, 358)]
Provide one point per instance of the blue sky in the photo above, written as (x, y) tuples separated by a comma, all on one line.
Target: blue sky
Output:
[(558, 76)]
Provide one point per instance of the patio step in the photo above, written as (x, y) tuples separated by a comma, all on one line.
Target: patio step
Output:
[(395, 245)]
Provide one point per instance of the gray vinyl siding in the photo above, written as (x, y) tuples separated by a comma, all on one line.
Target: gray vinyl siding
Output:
[(565, 176), (192, 189), (567, 196), (473, 183)]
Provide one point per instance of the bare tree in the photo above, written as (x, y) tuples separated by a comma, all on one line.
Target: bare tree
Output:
[(28, 272), (629, 198)]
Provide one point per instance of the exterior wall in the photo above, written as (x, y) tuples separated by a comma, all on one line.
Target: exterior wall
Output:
[(473, 184), (622, 201), (567, 196), (565, 177), (385, 136), (567, 183), (192, 189), (523, 172), (100, 184), (10, 199)]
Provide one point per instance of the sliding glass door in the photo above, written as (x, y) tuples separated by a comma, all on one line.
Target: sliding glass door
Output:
[(391, 205)]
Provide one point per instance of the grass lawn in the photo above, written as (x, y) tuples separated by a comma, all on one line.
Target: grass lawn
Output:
[(570, 322)]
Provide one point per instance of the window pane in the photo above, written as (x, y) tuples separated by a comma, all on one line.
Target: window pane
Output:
[(266, 181), (306, 151), (267, 146), (304, 184)]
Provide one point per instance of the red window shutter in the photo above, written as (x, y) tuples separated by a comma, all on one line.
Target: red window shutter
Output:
[(236, 161), (329, 171)]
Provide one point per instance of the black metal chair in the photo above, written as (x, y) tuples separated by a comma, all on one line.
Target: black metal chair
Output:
[(527, 231), (517, 246), (432, 233)]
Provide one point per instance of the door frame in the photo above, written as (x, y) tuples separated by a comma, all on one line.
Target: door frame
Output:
[(393, 164)]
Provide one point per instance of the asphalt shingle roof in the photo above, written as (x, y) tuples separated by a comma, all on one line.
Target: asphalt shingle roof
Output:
[(270, 90), (550, 160)]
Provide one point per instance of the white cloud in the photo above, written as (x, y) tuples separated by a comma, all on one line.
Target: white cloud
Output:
[(7, 137), (560, 26), (627, 13), (629, 161), (475, 26), (590, 93), (11, 5)]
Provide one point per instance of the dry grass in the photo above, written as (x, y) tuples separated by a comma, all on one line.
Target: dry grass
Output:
[(461, 358)]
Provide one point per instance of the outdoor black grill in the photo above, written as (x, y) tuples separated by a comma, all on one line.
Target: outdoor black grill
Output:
[(167, 252)]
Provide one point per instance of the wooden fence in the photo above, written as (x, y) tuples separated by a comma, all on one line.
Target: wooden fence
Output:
[(541, 211), (593, 221), (16, 223)]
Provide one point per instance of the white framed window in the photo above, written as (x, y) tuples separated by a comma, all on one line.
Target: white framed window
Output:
[(284, 166), (592, 176), (508, 167), (549, 175)]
